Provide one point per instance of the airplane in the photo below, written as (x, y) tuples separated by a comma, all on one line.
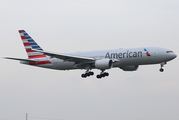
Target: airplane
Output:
[(127, 59)]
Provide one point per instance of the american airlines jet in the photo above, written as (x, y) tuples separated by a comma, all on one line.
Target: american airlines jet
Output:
[(127, 59)]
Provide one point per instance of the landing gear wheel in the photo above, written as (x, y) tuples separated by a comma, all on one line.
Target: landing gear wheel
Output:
[(161, 69), (99, 76), (91, 73), (87, 74), (106, 74), (83, 75), (102, 75)]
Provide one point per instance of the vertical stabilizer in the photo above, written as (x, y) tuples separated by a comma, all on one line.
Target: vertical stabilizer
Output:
[(30, 44)]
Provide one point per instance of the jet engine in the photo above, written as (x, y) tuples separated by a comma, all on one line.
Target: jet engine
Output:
[(130, 68), (103, 64)]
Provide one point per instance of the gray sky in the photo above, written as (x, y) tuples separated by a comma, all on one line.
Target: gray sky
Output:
[(82, 25)]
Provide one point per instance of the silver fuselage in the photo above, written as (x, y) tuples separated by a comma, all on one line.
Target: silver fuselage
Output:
[(122, 57)]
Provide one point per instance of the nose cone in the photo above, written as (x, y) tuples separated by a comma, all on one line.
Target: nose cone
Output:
[(172, 56)]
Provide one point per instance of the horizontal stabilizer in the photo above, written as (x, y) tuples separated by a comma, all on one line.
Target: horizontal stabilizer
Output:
[(28, 60)]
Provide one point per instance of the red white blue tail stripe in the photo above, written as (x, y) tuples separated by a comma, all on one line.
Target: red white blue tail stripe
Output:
[(30, 44)]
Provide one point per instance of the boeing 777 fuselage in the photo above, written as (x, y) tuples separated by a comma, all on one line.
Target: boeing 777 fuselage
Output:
[(127, 59)]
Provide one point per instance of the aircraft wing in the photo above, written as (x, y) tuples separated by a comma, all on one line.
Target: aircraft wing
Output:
[(66, 57), (28, 60)]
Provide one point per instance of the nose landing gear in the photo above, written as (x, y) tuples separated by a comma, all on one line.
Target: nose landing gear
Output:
[(162, 64), (161, 69)]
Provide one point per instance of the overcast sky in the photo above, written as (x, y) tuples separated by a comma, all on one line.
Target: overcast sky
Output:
[(83, 25)]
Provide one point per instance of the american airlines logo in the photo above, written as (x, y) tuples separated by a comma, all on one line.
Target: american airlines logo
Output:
[(147, 53), (123, 55)]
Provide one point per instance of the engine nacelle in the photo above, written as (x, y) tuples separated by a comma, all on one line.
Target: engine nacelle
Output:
[(130, 68), (103, 64)]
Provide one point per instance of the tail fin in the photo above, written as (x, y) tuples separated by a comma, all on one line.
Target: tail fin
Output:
[(30, 44)]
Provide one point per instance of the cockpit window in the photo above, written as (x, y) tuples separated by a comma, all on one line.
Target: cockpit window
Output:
[(169, 51)]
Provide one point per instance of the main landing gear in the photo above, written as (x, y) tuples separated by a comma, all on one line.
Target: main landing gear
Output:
[(162, 64), (87, 74), (102, 74)]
